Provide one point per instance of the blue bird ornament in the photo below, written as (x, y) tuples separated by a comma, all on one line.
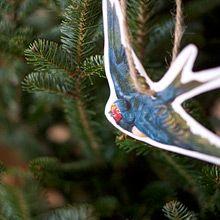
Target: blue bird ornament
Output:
[(160, 121)]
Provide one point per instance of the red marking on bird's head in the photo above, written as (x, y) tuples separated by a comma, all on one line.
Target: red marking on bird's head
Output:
[(115, 113)]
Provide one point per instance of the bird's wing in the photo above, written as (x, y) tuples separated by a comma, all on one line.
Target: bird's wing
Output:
[(183, 81), (186, 84), (116, 65)]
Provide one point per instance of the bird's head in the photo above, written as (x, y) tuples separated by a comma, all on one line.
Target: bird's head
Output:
[(115, 113), (118, 108)]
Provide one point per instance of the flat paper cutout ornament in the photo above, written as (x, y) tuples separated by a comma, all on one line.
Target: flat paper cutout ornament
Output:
[(161, 121)]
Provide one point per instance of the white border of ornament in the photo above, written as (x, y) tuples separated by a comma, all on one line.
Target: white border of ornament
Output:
[(184, 62)]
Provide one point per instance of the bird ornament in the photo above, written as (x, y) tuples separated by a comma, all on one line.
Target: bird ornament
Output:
[(159, 120)]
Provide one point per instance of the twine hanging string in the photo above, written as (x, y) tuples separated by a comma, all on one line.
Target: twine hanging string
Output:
[(139, 82), (179, 30)]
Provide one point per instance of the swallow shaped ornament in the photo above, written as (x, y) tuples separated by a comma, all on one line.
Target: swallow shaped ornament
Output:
[(160, 121)]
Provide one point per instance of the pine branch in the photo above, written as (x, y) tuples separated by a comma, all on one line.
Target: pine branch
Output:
[(82, 111), (85, 121), (210, 181), (210, 178), (133, 16), (49, 83), (186, 173), (79, 29), (24, 213), (174, 210), (80, 117), (45, 167), (180, 170), (145, 13), (21, 196), (140, 19), (78, 212), (129, 144), (81, 19), (93, 66), (14, 41), (45, 55), (17, 44)]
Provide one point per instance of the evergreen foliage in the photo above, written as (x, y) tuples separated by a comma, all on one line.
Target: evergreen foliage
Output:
[(78, 212), (64, 83), (47, 82), (129, 144), (21, 196), (81, 17), (2, 168), (50, 168), (93, 65), (175, 210), (210, 184), (47, 55), (210, 179)]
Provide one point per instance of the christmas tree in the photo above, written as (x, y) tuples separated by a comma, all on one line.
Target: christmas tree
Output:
[(61, 158)]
